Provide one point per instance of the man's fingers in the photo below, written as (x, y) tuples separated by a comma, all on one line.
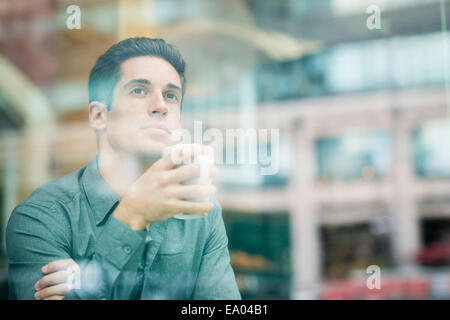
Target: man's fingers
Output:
[(165, 163), (58, 290), (57, 265), (180, 154), (190, 151), (55, 298), (191, 206), (181, 191), (52, 279), (185, 173)]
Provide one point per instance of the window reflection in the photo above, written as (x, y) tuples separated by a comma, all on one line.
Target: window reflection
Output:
[(431, 157), (353, 157)]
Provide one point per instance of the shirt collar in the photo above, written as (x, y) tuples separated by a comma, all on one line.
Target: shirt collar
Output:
[(100, 196)]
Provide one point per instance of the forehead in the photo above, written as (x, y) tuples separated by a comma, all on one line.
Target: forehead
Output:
[(154, 69)]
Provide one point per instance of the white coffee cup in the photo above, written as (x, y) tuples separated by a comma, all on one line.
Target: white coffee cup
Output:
[(205, 162)]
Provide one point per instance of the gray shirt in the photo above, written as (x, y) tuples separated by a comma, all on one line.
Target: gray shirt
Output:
[(70, 218)]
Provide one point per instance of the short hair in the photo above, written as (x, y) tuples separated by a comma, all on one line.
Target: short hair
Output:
[(106, 72)]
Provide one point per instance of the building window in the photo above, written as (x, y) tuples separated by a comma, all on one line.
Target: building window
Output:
[(259, 247), (352, 247), (353, 157), (431, 158)]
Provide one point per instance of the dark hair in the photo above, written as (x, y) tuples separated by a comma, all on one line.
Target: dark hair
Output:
[(106, 72)]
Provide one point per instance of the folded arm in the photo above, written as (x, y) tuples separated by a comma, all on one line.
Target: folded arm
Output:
[(38, 235)]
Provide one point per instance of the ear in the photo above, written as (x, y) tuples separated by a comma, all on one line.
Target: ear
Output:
[(98, 115)]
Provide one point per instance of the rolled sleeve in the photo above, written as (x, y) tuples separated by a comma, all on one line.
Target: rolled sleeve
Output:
[(117, 243)]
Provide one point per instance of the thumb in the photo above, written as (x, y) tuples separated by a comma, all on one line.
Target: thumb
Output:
[(169, 161)]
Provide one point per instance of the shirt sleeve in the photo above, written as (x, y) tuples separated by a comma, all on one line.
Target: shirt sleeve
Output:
[(37, 235), (216, 280)]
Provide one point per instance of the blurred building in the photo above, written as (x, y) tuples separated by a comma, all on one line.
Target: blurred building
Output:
[(363, 120)]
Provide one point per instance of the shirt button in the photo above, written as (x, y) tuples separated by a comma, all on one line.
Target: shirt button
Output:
[(148, 238), (127, 249)]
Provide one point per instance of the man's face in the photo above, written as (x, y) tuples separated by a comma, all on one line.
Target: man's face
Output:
[(146, 106)]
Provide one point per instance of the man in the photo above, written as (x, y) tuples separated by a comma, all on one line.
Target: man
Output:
[(113, 220)]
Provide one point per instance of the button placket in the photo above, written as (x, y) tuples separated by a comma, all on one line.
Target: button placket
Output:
[(159, 231)]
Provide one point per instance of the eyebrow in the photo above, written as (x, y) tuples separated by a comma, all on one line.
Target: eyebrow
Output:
[(146, 82), (172, 86), (135, 81)]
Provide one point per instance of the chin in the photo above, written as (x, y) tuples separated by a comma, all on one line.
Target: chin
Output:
[(153, 148)]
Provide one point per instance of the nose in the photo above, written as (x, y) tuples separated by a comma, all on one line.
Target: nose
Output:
[(157, 105)]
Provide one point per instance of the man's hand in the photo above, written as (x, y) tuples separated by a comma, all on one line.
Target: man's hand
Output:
[(159, 193), (57, 281)]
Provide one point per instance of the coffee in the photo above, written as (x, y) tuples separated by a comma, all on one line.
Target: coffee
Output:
[(205, 161)]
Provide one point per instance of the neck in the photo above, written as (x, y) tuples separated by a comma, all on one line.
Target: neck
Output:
[(121, 169)]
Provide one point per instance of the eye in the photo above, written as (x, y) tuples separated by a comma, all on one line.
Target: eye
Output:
[(138, 91), (171, 96)]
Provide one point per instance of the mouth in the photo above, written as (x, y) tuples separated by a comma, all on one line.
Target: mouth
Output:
[(156, 127)]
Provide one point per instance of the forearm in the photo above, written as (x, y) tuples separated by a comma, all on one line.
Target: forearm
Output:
[(117, 248)]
